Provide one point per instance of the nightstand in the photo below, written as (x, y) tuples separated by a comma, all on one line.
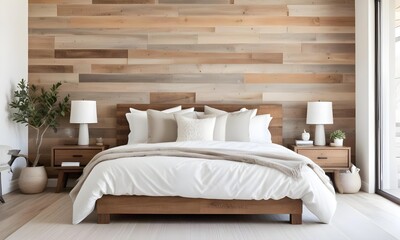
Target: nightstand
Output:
[(71, 153), (328, 158)]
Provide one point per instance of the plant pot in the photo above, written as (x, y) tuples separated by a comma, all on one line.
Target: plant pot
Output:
[(32, 180), (338, 142)]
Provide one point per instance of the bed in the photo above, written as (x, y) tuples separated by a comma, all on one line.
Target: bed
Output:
[(107, 204)]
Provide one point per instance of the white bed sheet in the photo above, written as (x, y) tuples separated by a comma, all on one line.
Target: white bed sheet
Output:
[(202, 178)]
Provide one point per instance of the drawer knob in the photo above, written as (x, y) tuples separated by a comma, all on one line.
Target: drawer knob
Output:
[(77, 155), (322, 158)]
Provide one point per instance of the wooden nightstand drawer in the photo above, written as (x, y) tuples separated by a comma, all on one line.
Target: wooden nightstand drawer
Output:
[(81, 154), (329, 158), (68, 155)]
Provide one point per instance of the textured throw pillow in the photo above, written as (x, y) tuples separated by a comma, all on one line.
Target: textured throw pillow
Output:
[(238, 126), (137, 121), (259, 128), (191, 129), (162, 126)]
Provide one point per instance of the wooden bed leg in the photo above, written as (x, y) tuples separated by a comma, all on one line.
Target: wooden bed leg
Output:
[(103, 218), (296, 219)]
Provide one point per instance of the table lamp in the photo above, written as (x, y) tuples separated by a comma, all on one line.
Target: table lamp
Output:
[(83, 112), (319, 113)]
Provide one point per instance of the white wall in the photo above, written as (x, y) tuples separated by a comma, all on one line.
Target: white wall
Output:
[(13, 67), (365, 100)]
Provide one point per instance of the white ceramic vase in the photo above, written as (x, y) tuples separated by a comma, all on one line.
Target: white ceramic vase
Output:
[(32, 180)]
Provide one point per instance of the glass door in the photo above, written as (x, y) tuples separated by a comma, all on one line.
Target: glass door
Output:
[(388, 97)]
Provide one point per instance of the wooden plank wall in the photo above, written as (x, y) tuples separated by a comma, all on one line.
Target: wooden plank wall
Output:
[(204, 51)]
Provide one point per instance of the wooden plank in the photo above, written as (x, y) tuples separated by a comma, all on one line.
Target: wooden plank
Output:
[(162, 78), (40, 53), (319, 58), (250, 29), (48, 78), (224, 10), (172, 97), (42, 10), (328, 47), (167, 38), (41, 42), (101, 42), (349, 78), (50, 69), (32, 2), (117, 10), (321, 29), (123, 1), (76, 61), (320, 96), (148, 53), (109, 204), (291, 2), (194, 1), (336, 37), (92, 53), (318, 10), (229, 97), (230, 48), (293, 78)]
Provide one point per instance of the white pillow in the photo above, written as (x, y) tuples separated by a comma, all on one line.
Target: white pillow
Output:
[(162, 126), (191, 129), (220, 125), (224, 131), (238, 126), (137, 121), (259, 128)]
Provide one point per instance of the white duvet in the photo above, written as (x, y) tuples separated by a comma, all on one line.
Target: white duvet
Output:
[(202, 178)]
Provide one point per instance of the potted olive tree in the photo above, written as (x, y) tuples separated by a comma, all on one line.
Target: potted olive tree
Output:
[(338, 136), (39, 109)]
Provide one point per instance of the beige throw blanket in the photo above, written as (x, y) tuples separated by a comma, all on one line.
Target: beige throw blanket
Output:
[(290, 166)]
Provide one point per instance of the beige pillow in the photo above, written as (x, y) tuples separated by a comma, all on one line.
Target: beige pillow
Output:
[(162, 126), (137, 121), (192, 129)]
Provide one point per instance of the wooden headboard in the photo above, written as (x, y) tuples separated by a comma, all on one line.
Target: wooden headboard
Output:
[(275, 110)]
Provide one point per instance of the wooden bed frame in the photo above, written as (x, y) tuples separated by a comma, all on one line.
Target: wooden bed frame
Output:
[(109, 204)]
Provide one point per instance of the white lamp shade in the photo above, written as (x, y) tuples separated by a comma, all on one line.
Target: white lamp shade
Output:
[(319, 113), (83, 111)]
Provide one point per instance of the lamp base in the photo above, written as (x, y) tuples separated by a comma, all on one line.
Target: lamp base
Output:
[(319, 135), (83, 134)]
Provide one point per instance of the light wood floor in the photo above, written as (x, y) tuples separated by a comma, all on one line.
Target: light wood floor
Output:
[(48, 216)]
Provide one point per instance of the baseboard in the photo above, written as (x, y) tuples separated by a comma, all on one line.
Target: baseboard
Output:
[(365, 187)]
